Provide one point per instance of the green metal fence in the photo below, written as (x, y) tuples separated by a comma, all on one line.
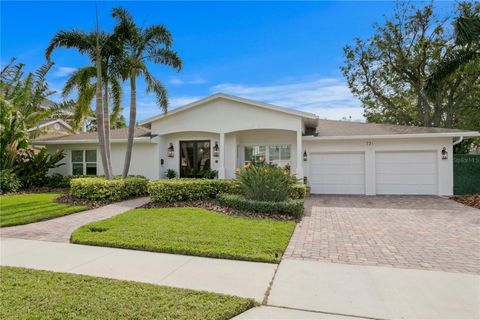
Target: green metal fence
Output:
[(466, 173)]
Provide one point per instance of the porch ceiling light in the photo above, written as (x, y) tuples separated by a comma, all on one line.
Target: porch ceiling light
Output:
[(444, 153), (305, 157), (216, 150), (171, 151)]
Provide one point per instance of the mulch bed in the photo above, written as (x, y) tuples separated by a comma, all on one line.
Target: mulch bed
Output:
[(69, 199), (470, 200), (213, 205)]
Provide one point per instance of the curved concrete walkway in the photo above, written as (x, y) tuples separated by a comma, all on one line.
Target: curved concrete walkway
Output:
[(60, 229)]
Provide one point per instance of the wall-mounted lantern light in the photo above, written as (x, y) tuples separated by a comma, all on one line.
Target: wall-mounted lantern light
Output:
[(444, 153), (216, 150), (305, 157), (171, 151)]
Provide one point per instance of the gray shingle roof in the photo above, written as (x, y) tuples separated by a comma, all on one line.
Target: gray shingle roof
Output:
[(115, 134), (329, 128)]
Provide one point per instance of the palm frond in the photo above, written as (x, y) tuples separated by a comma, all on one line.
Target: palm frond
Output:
[(167, 57), (155, 86), (78, 39)]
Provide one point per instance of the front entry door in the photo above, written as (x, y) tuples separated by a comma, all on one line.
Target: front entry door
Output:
[(194, 158)]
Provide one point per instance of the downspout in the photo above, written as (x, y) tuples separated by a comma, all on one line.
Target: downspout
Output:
[(458, 141)]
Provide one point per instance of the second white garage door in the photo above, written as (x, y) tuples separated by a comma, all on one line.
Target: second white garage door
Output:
[(337, 173), (406, 172)]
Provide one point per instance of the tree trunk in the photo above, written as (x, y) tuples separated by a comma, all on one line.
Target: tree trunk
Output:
[(99, 114), (131, 123), (106, 126)]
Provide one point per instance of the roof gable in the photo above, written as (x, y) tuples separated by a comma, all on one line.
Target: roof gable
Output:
[(216, 96)]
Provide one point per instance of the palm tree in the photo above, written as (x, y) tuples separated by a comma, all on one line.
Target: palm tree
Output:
[(467, 38), (21, 98), (100, 47), (152, 44), (83, 80)]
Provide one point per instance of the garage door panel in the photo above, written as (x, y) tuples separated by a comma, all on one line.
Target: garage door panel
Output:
[(406, 172), (343, 179), (337, 173), (335, 169), (405, 168), (406, 179)]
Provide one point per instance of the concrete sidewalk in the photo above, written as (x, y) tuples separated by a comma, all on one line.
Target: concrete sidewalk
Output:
[(268, 313), (60, 229), (375, 292), (239, 278)]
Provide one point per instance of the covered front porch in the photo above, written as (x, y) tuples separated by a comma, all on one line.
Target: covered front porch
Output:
[(194, 154)]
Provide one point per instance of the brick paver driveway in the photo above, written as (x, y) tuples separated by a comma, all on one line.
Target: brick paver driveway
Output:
[(421, 232)]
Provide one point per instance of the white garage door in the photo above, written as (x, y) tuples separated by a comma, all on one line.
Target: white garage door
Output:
[(337, 173), (406, 172)]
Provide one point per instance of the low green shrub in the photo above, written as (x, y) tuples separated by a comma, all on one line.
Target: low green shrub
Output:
[(288, 207), (298, 191), (170, 174), (110, 190), (9, 182), (173, 190), (135, 187), (57, 180)]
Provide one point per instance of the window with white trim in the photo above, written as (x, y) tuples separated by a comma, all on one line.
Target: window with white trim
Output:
[(84, 162), (279, 155)]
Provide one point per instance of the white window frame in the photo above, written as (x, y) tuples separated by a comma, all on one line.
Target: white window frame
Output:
[(267, 151), (84, 160)]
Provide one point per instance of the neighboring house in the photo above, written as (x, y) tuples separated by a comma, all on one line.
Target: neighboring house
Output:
[(224, 132), (50, 128)]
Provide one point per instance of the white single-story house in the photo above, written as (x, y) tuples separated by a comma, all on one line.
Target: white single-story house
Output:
[(223, 133)]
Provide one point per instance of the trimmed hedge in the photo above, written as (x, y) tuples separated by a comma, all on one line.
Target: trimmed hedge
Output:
[(173, 190), (290, 207), (110, 190), (298, 191)]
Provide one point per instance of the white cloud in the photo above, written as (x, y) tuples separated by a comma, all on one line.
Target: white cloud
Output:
[(176, 102), (327, 97), (187, 80), (64, 71)]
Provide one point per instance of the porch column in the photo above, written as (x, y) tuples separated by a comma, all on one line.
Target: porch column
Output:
[(299, 170), (221, 167)]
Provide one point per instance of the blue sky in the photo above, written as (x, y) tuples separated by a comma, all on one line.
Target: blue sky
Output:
[(285, 53)]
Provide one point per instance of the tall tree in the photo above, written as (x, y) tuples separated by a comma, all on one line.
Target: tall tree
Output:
[(83, 81), (152, 44), (86, 43), (21, 98), (389, 72)]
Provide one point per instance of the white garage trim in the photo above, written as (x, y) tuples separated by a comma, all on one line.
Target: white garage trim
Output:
[(406, 172), (337, 173)]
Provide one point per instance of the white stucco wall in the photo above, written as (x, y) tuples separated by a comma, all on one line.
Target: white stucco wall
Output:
[(144, 158), (371, 146), (223, 115)]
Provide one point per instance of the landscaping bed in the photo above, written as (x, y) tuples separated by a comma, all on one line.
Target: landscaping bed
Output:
[(34, 294), (191, 231), (73, 200), (470, 200), (17, 209)]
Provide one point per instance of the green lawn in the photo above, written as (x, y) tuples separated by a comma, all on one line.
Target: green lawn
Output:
[(33, 294), (191, 231), (31, 207)]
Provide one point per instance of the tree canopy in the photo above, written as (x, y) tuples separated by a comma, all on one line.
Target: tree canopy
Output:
[(390, 71)]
